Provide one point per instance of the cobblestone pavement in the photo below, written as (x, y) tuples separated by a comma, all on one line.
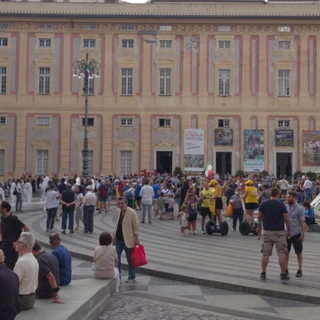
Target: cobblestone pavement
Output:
[(124, 307)]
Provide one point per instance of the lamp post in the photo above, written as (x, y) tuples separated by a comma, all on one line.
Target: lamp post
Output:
[(86, 70)]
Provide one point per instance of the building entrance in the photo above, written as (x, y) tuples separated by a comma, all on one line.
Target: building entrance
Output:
[(164, 161), (284, 164), (223, 162)]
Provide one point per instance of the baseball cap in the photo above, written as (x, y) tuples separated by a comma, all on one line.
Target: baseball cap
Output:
[(249, 182), (212, 182)]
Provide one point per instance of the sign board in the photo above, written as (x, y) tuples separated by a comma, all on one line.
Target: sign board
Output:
[(193, 150), (223, 137), (311, 151), (253, 150), (284, 138)]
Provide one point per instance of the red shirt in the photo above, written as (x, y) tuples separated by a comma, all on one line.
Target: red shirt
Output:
[(120, 189)]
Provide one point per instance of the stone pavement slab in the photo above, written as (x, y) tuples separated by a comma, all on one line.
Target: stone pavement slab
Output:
[(230, 262)]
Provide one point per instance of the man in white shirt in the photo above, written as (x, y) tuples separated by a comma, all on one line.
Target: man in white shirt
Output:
[(283, 186), (307, 187), (27, 269), (147, 195), (89, 201), (19, 195)]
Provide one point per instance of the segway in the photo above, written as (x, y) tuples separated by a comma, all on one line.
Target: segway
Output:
[(211, 228), (245, 228)]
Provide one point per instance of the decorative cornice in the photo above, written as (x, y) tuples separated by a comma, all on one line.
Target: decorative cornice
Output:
[(164, 10)]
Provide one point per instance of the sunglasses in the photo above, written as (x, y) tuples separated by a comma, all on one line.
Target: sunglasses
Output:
[(20, 242)]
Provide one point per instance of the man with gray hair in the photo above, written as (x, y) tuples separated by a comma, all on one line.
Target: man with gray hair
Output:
[(68, 200), (27, 269)]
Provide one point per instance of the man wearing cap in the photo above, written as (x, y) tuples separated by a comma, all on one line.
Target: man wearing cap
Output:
[(89, 201), (27, 269)]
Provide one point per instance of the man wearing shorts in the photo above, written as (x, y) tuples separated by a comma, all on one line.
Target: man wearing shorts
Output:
[(274, 214), (206, 194), (297, 218)]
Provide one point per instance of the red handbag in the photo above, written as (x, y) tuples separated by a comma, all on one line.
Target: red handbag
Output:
[(138, 256)]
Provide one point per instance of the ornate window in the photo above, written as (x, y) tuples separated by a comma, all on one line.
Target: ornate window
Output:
[(127, 27), (44, 80), (224, 45), (224, 28), (126, 81), (165, 82), (127, 44), (164, 122), (2, 120), (44, 43), (284, 45), (43, 121), (44, 26), (90, 122), (223, 123), (284, 83), (126, 122), (89, 27), (284, 29), (283, 123), (165, 28), (224, 82), (89, 43), (42, 162), (125, 162), (165, 44), (3, 42), (3, 79)]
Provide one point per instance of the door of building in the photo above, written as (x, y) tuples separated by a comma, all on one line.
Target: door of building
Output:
[(284, 164), (164, 161), (223, 162)]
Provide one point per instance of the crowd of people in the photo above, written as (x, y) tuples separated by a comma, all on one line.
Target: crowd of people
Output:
[(281, 205)]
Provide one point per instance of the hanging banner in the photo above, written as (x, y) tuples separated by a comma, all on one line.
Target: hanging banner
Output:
[(223, 137), (193, 150), (311, 151), (284, 138), (253, 150)]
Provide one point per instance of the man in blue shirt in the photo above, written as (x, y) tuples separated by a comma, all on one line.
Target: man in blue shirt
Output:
[(157, 193), (137, 197), (63, 256)]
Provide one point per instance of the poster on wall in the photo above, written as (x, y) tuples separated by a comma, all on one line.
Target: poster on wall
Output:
[(253, 150), (284, 138), (223, 137), (311, 151), (193, 150)]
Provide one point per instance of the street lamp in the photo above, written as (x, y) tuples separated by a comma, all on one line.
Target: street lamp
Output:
[(86, 70)]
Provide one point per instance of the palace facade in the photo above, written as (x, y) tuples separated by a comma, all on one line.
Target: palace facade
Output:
[(226, 68)]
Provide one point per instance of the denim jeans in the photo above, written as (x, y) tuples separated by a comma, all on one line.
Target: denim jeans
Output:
[(120, 246), (51, 213), (308, 194), (65, 215), (166, 206)]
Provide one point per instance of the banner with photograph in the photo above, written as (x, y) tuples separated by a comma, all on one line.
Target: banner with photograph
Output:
[(311, 151), (284, 138), (193, 150), (223, 137), (253, 150)]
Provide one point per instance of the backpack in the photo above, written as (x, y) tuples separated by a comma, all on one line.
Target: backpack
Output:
[(15, 191), (178, 193), (128, 195), (103, 192)]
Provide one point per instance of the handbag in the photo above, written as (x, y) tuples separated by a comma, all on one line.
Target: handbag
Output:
[(138, 256), (229, 211)]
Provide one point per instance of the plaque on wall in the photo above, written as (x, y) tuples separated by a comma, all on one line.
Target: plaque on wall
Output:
[(284, 138), (223, 137)]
